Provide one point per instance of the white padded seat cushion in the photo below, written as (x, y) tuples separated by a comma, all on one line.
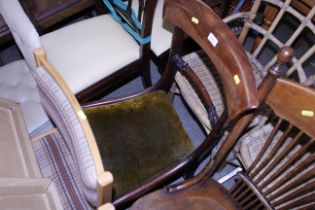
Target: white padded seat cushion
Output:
[(161, 31), (18, 84), (95, 48)]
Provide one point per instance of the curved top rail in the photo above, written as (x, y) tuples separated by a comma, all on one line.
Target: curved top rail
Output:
[(223, 48)]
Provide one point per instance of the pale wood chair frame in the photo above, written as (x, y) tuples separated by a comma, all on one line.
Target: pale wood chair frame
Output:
[(104, 178)]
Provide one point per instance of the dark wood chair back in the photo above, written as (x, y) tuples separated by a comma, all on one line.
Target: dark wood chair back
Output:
[(197, 20), (135, 16), (282, 175)]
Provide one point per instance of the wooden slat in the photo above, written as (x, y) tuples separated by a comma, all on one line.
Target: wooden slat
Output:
[(249, 200), (256, 173), (252, 170), (310, 187), (277, 160), (287, 165), (304, 178), (244, 196), (299, 202)]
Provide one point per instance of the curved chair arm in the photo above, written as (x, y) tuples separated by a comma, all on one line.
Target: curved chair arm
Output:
[(23, 31), (220, 44), (284, 55), (92, 173)]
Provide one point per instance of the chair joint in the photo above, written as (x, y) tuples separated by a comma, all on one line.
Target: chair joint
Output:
[(180, 64)]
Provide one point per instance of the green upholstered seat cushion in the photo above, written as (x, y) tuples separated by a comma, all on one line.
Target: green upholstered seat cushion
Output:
[(138, 138)]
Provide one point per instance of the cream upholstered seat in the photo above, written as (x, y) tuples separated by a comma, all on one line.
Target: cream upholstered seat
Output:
[(86, 52), (99, 39), (18, 84)]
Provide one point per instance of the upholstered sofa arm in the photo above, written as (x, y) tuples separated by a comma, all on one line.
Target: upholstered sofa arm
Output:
[(23, 31)]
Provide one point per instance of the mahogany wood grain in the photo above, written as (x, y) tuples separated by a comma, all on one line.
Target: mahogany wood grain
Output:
[(283, 172), (225, 51), (217, 199), (292, 98), (247, 193), (202, 94)]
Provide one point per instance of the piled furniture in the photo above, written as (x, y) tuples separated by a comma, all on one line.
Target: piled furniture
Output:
[(282, 175), (155, 131), (90, 66), (247, 27), (46, 14)]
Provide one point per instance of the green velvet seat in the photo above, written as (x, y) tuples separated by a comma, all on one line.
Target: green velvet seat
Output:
[(138, 138)]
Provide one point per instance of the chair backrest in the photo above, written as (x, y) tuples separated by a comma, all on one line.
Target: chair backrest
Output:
[(282, 175), (23, 31), (66, 113), (135, 16), (260, 34), (198, 21)]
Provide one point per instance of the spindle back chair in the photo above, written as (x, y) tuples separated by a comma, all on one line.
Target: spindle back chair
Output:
[(282, 174)]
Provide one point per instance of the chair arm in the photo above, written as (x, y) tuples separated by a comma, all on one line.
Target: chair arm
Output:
[(223, 48), (99, 182), (104, 189), (198, 86)]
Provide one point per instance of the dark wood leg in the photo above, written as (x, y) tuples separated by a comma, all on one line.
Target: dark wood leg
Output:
[(146, 68), (146, 75)]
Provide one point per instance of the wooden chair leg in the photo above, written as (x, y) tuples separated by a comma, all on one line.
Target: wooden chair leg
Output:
[(146, 74), (146, 77), (190, 172)]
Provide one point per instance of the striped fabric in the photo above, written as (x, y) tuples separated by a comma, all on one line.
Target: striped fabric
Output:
[(57, 164), (62, 113)]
